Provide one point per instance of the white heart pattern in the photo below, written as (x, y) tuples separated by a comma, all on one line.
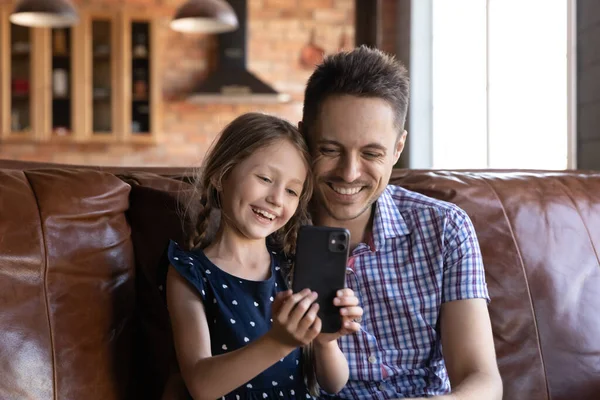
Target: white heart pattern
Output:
[(252, 323), (234, 302), (292, 377), (208, 271), (271, 298), (246, 339), (274, 383), (256, 304), (265, 396), (215, 301), (308, 396), (237, 397), (176, 258), (224, 347), (249, 386), (281, 393), (232, 321), (203, 294), (224, 286), (292, 392)]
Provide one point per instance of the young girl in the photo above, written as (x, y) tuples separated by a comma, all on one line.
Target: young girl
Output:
[(238, 331)]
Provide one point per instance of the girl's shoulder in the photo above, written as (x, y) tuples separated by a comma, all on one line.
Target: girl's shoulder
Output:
[(192, 265)]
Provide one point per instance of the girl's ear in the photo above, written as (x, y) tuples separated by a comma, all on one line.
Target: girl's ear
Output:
[(217, 184)]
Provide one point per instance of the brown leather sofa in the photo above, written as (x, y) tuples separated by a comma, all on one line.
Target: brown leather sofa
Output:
[(82, 264)]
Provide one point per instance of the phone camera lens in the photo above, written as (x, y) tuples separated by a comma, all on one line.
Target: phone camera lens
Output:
[(341, 247), (342, 238)]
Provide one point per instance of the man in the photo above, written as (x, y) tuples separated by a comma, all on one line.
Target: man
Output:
[(415, 261)]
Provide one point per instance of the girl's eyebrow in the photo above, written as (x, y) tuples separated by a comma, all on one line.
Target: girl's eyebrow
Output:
[(279, 172)]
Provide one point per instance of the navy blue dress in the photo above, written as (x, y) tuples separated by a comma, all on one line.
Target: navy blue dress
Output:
[(238, 311)]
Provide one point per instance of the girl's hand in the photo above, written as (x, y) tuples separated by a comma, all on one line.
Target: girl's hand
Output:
[(295, 321), (350, 312)]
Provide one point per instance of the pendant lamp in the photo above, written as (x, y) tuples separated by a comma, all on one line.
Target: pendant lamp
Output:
[(44, 13), (205, 16)]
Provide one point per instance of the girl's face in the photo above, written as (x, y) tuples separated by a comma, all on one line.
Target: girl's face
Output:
[(261, 194)]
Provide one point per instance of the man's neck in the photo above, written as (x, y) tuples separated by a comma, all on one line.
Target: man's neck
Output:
[(360, 227)]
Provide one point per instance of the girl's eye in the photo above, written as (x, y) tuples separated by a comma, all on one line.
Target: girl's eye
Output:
[(292, 192), (264, 179)]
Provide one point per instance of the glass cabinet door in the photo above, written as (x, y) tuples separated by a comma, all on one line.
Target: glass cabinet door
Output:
[(140, 78), (102, 76), (61, 51), (21, 95)]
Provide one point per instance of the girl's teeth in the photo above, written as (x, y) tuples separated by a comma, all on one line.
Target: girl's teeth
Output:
[(264, 214)]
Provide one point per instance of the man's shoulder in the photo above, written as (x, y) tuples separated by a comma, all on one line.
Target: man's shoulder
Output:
[(407, 200)]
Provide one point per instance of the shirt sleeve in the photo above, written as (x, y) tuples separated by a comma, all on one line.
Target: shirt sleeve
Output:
[(464, 275), (187, 267)]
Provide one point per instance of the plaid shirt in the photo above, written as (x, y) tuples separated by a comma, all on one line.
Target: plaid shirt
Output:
[(423, 252)]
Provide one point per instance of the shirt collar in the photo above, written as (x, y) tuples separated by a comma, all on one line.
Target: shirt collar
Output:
[(388, 222)]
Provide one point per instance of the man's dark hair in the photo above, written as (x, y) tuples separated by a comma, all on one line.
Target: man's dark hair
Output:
[(362, 72)]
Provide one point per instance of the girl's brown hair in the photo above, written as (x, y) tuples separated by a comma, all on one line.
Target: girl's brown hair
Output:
[(241, 138)]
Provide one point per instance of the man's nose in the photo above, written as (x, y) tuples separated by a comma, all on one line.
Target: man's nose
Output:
[(350, 169)]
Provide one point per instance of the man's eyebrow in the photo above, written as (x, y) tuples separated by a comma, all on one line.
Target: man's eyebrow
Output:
[(329, 141), (376, 146), (373, 146)]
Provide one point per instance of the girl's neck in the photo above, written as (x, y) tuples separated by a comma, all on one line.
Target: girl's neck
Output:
[(238, 255)]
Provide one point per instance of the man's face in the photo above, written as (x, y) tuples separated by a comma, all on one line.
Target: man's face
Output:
[(355, 144)]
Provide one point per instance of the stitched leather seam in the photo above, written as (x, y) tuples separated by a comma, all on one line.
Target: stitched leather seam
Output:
[(587, 230), (51, 332), (535, 325)]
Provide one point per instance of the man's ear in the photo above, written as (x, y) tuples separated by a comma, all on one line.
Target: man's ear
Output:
[(400, 146)]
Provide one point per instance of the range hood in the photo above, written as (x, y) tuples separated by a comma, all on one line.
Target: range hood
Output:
[(232, 82)]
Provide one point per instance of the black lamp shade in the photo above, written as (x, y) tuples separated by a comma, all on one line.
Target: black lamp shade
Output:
[(205, 16), (45, 13)]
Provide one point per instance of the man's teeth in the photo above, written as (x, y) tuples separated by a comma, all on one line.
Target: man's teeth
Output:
[(264, 213), (347, 191)]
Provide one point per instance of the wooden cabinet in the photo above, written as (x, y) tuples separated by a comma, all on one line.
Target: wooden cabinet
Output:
[(97, 81)]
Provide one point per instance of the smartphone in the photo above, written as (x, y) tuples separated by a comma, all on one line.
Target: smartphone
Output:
[(320, 265)]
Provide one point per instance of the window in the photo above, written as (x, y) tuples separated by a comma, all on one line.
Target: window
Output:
[(501, 80)]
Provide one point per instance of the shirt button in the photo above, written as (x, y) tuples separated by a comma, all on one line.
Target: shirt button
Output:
[(381, 387), (348, 271), (372, 359)]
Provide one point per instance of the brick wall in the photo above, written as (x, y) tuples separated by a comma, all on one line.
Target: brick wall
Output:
[(277, 29), (588, 84)]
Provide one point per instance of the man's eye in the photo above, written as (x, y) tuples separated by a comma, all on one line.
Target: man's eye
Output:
[(326, 150), (372, 155)]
